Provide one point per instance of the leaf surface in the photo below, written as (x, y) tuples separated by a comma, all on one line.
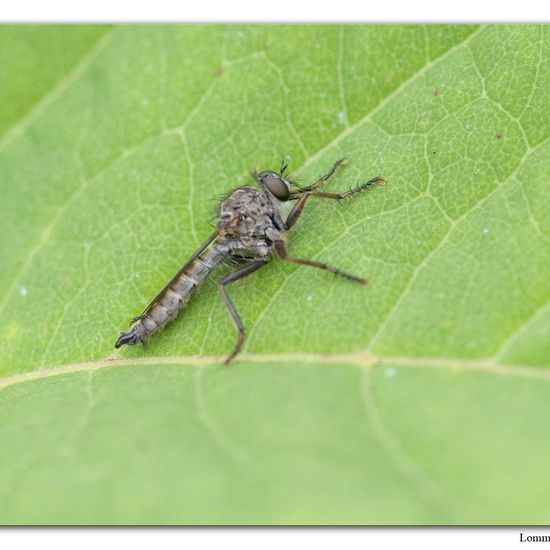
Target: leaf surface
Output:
[(421, 399)]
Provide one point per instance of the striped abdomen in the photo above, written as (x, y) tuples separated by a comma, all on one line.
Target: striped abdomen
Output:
[(173, 297)]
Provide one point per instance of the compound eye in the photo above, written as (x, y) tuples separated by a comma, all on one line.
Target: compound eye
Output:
[(276, 186)]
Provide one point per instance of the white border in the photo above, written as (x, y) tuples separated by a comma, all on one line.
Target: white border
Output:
[(279, 11), (342, 11), (379, 538)]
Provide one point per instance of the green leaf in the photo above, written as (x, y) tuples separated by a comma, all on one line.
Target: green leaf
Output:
[(419, 400)]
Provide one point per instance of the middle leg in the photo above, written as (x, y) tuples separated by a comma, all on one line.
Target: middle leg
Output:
[(236, 275)]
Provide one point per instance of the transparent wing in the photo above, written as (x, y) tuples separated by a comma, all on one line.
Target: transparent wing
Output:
[(185, 266)]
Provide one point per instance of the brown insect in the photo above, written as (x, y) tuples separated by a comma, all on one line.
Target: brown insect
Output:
[(252, 227)]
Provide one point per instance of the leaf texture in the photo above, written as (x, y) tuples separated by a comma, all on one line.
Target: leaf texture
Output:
[(420, 400)]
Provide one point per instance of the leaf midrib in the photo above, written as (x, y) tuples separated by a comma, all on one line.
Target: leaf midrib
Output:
[(359, 359)]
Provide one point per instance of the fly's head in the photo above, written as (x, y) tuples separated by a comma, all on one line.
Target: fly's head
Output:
[(276, 184)]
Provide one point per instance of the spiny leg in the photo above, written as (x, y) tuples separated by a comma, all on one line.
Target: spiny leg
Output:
[(324, 178), (237, 274), (294, 214), (280, 250)]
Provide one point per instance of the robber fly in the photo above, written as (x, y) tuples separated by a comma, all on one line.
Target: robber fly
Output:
[(252, 227)]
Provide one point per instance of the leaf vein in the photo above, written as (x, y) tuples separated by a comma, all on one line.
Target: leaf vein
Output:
[(223, 442), (442, 242), (536, 314), (426, 489), (57, 91)]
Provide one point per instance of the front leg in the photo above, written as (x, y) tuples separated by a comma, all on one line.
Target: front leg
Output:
[(324, 178), (294, 214)]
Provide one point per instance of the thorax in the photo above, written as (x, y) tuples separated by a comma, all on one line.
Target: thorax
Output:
[(250, 220)]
